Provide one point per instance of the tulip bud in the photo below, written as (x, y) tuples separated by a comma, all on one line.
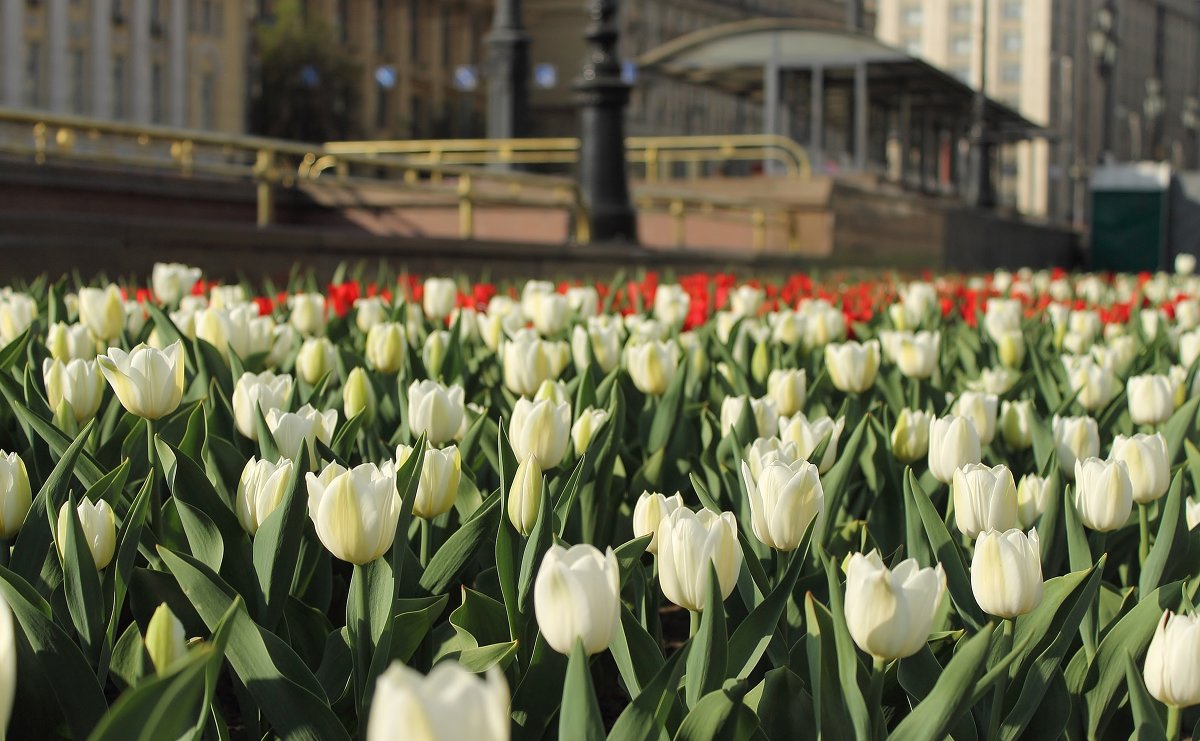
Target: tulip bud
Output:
[(541, 429), (1094, 384), (1011, 348), (984, 499), (577, 598), (823, 324), (953, 443), (386, 346), (316, 359), (78, 383), (358, 396), (651, 365), (690, 545), (585, 428), (439, 297), (1185, 264), (261, 488), (227, 297), (527, 360), (99, 527), (441, 473), (1151, 399), (15, 495), (254, 391), (766, 450), (1075, 438), (784, 501), (172, 281), (981, 409), (1192, 513), (165, 639), (890, 611), (746, 300), (148, 382), (1171, 671), (648, 515), (807, 435), (789, 390), (584, 301), (525, 496), (451, 703), (916, 355), (671, 304), (435, 410), (910, 436), (550, 313), (297, 432), (308, 313), (600, 340), (760, 361), (1145, 458), (1103, 493), (766, 418), (17, 312), (69, 342), (355, 511), (1016, 424), (531, 293), (433, 352), (697, 354), (369, 312), (852, 366), (102, 311), (1006, 572), (494, 327), (1031, 498)]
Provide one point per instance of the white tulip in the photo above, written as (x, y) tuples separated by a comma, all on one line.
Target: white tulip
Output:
[(148, 382), (890, 612), (1016, 424), (449, 705), (369, 312), (1032, 491), (690, 545), (99, 527), (172, 281), (784, 500), (649, 512), (166, 642), (1145, 458), (17, 312), (355, 511), (255, 391), (916, 355), (387, 344), (1172, 671), (1151, 399), (601, 340), (1075, 438), (441, 473), (527, 360), (584, 430), (746, 300), (1192, 513), (550, 313), (584, 301), (541, 429), (439, 297), (984, 499), (70, 342), (807, 435), (525, 496), (531, 293), (910, 436), (1006, 572), (766, 450), (227, 297), (1010, 348), (297, 432), (16, 496), (262, 486), (79, 383), (652, 364), (766, 416), (852, 366), (671, 304), (981, 408), (953, 443), (316, 359), (307, 313), (789, 389), (1103, 493), (577, 598), (435, 410), (102, 311)]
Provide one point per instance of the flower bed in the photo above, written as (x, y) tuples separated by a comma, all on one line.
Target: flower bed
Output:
[(695, 508)]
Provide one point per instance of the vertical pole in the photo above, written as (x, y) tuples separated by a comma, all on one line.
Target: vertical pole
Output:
[(862, 114), (816, 129), (177, 63), (139, 60), (771, 103), (101, 59), (983, 193), (905, 137), (57, 66), (508, 81), (602, 95), (12, 47)]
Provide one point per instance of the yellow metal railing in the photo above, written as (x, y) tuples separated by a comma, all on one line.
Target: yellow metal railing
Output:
[(656, 154)]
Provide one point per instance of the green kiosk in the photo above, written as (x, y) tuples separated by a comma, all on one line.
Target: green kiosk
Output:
[(1130, 204)]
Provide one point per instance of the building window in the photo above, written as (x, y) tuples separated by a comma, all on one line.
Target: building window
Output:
[(960, 46), (77, 85), (911, 16), (156, 93), (961, 13), (1011, 10), (1010, 73), (118, 86), (1012, 41), (208, 98), (33, 74)]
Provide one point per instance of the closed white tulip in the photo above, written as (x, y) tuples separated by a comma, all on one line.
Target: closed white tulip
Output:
[(99, 527), (1192, 513), (254, 391), (450, 704), (1103, 493), (387, 344), (671, 304), (540, 429), (1151, 399), (746, 300), (784, 501), (368, 312), (229, 296), (16, 495), (584, 301), (358, 396), (550, 313), (1016, 424), (982, 409), (70, 342), (441, 472), (890, 611), (1075, 438), (601, 340), (984, 499), (495, 326), (297, 432), (316, 359), (355, 511), (439, 297), (1172, 670), (823, 324), (1031, 498), (148, 382), (1010, 348), (525, 496), (585, 428), (577, 597), (531, 293), (102, 310), (1189, 347), (1001, 317), (172, 281), (17, 312), (261, 488), (527, 360), (910, 436), (916, 355), (1145, 457), (435, 410), (766, 450), (1095, 384), (1006, 572), (649, 512), (77, 382), (652, 364), (308, 313), (165, 641), (766, 416), (806, 434), (789, 389), (953, 443), (690, 545), (433, 351), (852, 366)]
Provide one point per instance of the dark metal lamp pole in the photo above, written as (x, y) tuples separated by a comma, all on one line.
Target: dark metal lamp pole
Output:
[(602, 95), (1103, 42), (983, 192), (508, 81)]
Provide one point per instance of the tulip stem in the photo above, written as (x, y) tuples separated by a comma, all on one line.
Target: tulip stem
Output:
[(358, 625), (1174, 721), (1004, 646), (694, 625), (875, 696), (426, 541), (1143, 533), (155, 495)]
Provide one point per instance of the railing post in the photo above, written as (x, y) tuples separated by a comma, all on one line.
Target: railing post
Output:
[(759, 219), (466, 209), (677, 211), (264, 168)]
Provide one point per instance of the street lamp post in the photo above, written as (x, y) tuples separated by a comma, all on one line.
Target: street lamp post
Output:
[(1103, 43), (508, 81), (1152, 108), (602, 95)]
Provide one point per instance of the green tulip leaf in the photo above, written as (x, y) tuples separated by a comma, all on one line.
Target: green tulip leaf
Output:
[(706, 665), (645, 718), (580, 714), (1172, 538), (948, 555), (933, 717)]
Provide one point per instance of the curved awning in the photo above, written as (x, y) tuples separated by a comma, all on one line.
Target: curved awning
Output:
[(733, 56)]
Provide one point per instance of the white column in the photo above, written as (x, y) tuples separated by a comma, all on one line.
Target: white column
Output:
[(58, 67), (177, 64), (12, 46), (100, 63), (139, 60)]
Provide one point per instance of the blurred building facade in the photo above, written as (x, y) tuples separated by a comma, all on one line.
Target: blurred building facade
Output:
[(1050, 60)]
